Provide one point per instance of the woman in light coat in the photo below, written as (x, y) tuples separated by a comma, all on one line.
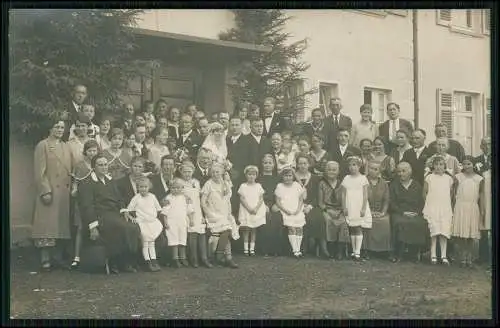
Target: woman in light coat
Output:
[(51, 220)]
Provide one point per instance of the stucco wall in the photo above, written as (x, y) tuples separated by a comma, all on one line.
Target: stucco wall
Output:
[(453, 61)]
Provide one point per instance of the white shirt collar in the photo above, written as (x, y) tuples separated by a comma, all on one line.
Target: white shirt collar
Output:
[(77, 107), (258, 138), (163, 182), (94, 177), (186, 135), (235, 138), (134, 187)]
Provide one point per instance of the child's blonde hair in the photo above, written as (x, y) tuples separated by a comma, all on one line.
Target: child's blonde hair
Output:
[(251, 168), (143, 180)]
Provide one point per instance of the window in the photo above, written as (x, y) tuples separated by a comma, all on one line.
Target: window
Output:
[(466, 21), (465, 107), (378, 98), (139, 91), (326, 92), (294, 99)]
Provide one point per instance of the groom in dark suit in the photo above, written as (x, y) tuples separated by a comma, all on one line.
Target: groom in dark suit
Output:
[(273, 122), (418, 155), (389, 128), (257, 144), (189, 138)]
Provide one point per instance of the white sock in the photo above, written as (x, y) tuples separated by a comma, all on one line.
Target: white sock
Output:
[(145, 252), (299, 242), (245, 246), (152, 250), (359, 242), (353, 244), (291, 239), (252, 246), (212, 245)]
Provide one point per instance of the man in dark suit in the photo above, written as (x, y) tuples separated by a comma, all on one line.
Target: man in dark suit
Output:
[(342, 150), (202, 166), (389, 128), (454, 147), (337, 121), (257, 144), (75, 106), (320, 126), (189, 138), (417, 156), (273, 122)]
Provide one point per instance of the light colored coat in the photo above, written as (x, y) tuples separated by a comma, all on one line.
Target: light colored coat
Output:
[(53, 165)]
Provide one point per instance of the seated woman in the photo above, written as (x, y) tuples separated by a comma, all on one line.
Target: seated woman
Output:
[(408, 225), (100, 209)]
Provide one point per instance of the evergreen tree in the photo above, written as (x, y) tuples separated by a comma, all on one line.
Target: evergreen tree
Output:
[(268, 74), (51, 50)]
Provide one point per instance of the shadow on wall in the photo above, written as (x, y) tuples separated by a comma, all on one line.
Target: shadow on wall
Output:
[(22, 193)]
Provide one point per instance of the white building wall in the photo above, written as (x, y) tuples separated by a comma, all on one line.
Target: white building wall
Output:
[(356, 50), (451, 61)]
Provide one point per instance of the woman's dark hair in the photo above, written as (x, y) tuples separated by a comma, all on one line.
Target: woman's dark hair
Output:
[(165, 157), (90, 144), (403, 132), (157, 106), (365, 140), (469, 158), (317, 109), (299, 156), (95, 158), (114, 132), (365, 106), (318, 136), (381, 139)]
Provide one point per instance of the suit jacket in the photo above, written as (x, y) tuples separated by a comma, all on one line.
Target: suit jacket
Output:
[(192, 143), (344, 122), (337, 157), (125, 189), (417, 164), (70, 120), (257, 150), (277, 125), (383, 131), (237, 154), (172, 132), (158, 188), (326, 131), (455, 149), (202, 178), (481, 164)]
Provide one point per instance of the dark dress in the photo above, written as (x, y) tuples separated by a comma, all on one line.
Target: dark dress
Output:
[(378, 238), (408, 230), (319, 164), (270, 239), (315, 224), (329, 201), (102, 202)]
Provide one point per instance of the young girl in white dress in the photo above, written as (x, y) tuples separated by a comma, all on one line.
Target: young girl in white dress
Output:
[(216, 204), (178, 212), (290, 197), (197, 242), (466, 214), (252, 212), (438, 195), (146, 208), (355, 205)]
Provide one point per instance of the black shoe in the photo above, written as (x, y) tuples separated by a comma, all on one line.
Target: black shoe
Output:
[(114, 270)]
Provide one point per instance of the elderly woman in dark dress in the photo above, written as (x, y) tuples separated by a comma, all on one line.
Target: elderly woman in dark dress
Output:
[(315, 225), (330, 203), (52, 169), (406, 206), (100, 207), (378, 238)]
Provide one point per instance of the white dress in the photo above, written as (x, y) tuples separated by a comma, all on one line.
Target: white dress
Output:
[(466, 217), (192, 191), (290, 196), (252, 193), (177, 210), (218, 206), (437, 210), (487, 195), (354, 201), (146, 211)]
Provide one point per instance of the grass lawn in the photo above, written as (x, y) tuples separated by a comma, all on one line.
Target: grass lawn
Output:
[(267, 288)]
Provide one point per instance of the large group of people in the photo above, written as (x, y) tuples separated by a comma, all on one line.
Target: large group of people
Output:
[(161, 185)]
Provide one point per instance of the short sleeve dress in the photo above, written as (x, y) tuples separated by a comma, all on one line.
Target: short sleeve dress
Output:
[(466, 218), (437, 210), (177, 212), (252, 194), (290, 196), (192, 191), (353, 186), (218, 206)]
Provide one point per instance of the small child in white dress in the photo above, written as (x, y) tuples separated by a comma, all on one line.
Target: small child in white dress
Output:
[(146, 208), (197, 242), (178, 212), (252, 212), (467, 214), (355, 205), (438, 195), (290, 197)]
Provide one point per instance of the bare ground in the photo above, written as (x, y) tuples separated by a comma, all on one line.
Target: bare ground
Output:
[(267, 288)]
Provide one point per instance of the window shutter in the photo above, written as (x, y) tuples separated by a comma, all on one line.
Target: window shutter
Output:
[(445, 109), (444, 17), (486, 21), (488, 116)]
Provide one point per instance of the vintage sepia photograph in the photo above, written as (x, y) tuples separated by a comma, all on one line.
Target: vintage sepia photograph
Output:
[(250, 163)]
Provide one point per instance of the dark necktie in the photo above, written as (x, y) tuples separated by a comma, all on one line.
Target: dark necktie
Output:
[(336, 121)]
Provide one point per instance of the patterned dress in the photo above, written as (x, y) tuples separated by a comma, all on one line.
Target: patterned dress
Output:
[(330, 203), (119, 164)]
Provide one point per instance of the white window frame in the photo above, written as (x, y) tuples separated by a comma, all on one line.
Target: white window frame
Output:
[(334, 92), (385, 91), (475, 114), (475, 30)]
